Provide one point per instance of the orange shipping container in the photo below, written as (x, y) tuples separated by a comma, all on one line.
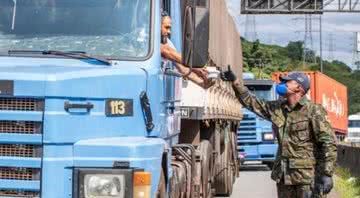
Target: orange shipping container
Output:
[(331, 94)]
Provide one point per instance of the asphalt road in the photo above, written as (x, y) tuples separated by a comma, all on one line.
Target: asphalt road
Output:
[(255, 182)]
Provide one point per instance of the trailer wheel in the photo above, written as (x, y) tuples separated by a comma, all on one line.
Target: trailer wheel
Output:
[(224, 174), (231, 165), (207, 168), (161, 192), (236, 155)]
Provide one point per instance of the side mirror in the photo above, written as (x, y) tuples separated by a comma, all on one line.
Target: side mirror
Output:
[(188, 35), (195, 33)]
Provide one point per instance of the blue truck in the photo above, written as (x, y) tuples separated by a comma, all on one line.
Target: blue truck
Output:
[(88, 109), (255, 138)]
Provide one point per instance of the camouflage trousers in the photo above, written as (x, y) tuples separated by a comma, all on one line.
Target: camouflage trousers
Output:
[(296, 191)]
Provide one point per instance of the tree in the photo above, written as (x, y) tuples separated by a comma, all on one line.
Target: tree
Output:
[(295, 50)]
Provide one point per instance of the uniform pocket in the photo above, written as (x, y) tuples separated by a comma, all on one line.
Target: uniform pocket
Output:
[(301, 171), (299, 125), (300, 129)]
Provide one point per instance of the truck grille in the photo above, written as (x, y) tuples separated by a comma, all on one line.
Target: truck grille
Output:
[(24, 145), (19, 173), (20, 150), (26, 127), (247, 130), (21, 104), (17, 193)]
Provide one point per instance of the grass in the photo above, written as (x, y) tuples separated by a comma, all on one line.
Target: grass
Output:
[(345, 185)]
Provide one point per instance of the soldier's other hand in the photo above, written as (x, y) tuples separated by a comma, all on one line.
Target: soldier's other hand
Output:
[(228, 75), (326, 183)]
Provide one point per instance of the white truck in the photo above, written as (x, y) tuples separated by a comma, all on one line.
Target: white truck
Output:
[(354, 129)]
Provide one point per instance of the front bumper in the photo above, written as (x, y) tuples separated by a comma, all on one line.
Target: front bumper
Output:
[(140, 153)]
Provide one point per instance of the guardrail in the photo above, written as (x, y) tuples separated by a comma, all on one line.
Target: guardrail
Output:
[(349, 157)]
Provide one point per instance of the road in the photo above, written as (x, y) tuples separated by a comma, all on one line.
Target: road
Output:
[(255, 182)]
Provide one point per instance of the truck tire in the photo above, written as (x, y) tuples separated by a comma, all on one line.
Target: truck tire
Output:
[(231, 172), (224, 173), (236, 155), (207, 168), (161, 192)]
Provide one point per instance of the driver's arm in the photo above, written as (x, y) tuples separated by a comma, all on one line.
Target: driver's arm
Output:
[(202, 82), (200, 79), (170, 53)]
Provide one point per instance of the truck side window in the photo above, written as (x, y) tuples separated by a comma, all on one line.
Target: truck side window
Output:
[(166, 6)]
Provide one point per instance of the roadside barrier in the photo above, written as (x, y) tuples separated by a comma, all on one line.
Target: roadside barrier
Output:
[(349, 157)]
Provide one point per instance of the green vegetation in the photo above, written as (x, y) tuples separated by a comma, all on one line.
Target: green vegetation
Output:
[(262, 60), (345, 185)]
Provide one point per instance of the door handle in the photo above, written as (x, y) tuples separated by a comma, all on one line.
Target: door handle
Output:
[(88, 106)]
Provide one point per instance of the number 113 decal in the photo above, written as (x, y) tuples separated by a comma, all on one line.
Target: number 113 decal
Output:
[(119, 107)]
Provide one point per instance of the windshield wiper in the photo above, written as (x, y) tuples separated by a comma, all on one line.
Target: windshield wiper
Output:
[(70, 54)]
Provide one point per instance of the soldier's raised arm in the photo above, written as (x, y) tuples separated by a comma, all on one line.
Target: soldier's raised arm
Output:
[(259, 106)]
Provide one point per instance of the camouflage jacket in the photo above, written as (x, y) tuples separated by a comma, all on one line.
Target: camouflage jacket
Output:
[(306, 139)]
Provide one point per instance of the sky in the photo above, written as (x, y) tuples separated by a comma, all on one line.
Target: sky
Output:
[(280, 29)]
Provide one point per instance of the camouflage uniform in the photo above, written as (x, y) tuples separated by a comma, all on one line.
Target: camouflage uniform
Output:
[(306, 142)]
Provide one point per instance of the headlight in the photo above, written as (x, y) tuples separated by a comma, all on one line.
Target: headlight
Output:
[(268, 136), (103, 183), (104, 186)]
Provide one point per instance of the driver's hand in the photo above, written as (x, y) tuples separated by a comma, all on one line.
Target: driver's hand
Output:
[(203, 73)]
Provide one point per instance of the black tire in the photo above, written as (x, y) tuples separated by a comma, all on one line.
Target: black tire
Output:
[(161, 192), (207, 168), (231, 172), (235, 155), (225, 175)]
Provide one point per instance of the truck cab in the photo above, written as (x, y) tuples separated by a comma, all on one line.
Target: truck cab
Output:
[(83, 105), (354, 129), (255, 138)]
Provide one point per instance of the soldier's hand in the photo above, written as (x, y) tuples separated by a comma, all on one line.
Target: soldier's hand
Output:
[(228, 75), (325, 184)]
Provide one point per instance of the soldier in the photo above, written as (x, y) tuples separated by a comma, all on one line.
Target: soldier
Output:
[(307, 145)]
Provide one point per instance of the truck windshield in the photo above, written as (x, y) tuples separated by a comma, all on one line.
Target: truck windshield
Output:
[(262, 91), (110, 28), (354, 123)]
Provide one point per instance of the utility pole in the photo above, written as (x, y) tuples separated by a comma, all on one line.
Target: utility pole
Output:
[(321, 56), (331, 47), (356, 52), (250, 28), (308, 40)]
